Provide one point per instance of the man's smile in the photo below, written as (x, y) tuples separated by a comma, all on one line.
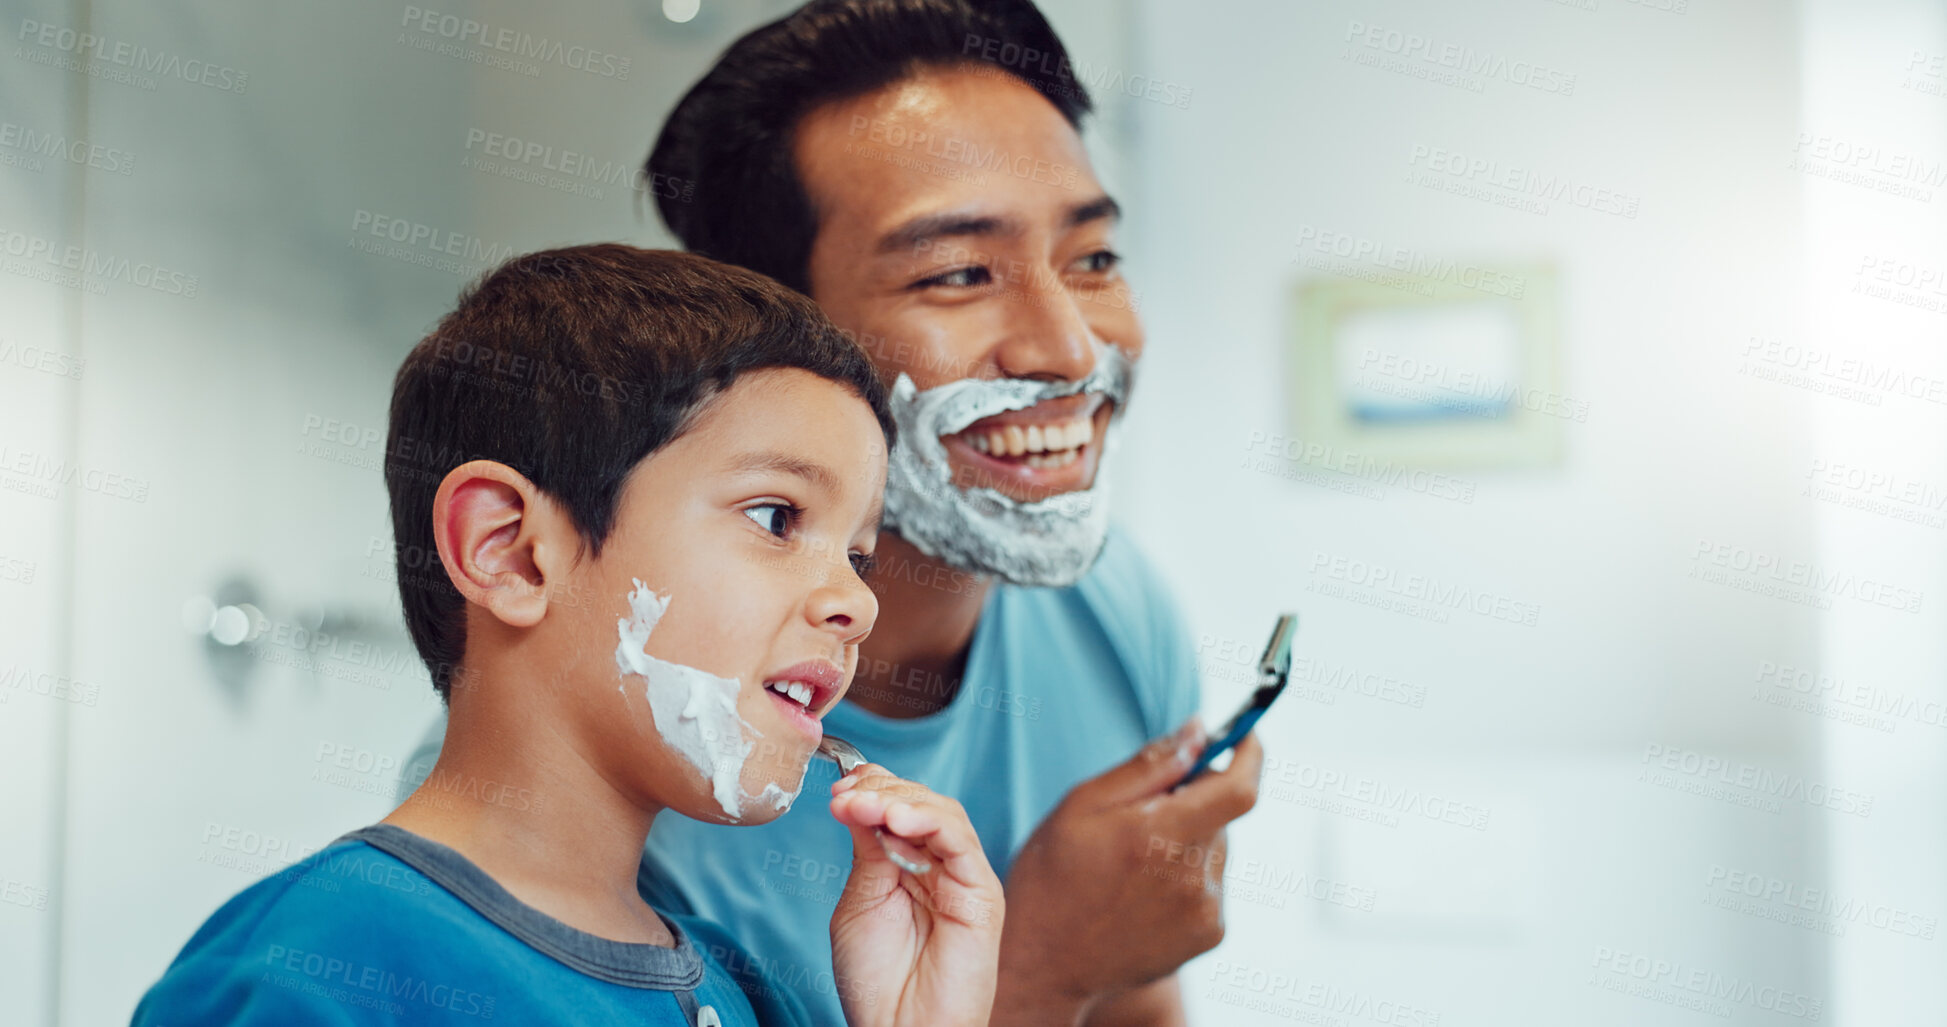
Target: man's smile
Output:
[(1049, 448)]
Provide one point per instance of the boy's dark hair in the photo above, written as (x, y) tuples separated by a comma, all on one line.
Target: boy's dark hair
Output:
[(570, 366), (729, 140)]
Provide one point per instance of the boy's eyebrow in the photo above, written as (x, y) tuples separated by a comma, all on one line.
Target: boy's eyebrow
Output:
[(772, 460)]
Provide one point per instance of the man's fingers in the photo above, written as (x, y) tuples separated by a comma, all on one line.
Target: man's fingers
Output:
[(1152, 770), (1218, 797)]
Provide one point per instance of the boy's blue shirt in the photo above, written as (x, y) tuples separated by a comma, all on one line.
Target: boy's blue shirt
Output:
[(1061, 684), (385, 927)]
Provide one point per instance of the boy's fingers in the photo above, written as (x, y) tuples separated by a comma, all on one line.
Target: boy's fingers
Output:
[(873, 873), (876, 797), (920, 818), (859, 809), (1218, 797), (874, 778), (943, 831)]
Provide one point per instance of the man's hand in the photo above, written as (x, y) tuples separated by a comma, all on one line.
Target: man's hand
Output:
[(1122, 883), (912, 949)]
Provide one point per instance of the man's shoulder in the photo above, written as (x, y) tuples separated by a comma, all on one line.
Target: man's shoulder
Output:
[(1122, 577), (1126, 603), (1128, 598)]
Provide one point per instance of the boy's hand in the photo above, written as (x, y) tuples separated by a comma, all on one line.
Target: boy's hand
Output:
[(913, 949)]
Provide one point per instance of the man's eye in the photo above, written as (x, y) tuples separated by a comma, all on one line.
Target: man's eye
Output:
[(772, 517), (1100, 261), (862, 564), (958, 278)]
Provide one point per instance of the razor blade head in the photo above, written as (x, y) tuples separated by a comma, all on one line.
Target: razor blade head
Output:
[(839, 751), (1276, 662)]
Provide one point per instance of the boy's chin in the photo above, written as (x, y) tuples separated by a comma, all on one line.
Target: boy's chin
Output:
[(755, 809), (767, 794)]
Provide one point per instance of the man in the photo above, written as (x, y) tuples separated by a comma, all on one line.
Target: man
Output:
[(915, 167)]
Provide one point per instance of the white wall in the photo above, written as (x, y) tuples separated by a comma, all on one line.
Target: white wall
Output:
[(1863, 86), (1547, 728), (38, 401)]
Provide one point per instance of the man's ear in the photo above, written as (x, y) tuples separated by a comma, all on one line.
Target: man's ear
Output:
[(501, 540)]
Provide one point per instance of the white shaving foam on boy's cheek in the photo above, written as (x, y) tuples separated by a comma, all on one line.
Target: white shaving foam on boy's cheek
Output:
[(778, 797), (695, 711)]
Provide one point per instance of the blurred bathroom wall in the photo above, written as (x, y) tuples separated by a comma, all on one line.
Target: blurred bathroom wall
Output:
[(206, 300), (1704, 783)]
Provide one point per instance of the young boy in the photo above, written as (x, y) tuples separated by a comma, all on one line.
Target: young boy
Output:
[(653, 483)]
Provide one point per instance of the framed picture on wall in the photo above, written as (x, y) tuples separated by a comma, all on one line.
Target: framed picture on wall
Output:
[(1457, 368)]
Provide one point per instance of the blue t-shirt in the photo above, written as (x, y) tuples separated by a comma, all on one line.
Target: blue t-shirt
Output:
[(386, 927), (1060, 685)]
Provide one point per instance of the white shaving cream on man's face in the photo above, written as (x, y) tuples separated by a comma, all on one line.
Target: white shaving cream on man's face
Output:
[(1052, 541), (695, 711)]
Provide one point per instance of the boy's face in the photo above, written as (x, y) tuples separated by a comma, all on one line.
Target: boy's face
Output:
[(751, 527), (963, 234)]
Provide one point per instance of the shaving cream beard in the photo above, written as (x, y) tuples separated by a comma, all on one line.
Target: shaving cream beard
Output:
[(695, 711), (1052, 541)]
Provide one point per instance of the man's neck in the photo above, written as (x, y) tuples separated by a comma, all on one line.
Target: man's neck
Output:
[(912, 663), (527, 809)]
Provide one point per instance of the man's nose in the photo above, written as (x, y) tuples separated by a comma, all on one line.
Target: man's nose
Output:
[(1047, 336)]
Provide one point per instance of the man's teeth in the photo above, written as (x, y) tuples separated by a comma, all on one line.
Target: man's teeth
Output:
[(1042, 445), (796, 691)]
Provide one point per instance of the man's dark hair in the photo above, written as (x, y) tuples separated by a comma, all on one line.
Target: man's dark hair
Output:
[(729, 140), (570, 366)]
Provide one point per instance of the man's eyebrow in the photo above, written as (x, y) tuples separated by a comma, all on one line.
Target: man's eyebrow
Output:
[(1103, 206), (772, 460), (928, 227), (925, 228)]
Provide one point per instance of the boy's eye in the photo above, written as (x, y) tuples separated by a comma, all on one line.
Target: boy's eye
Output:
[(958, 278), (772, 517), (862, 564)]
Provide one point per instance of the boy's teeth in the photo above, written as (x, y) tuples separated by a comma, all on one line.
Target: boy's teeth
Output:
[(796, 691)]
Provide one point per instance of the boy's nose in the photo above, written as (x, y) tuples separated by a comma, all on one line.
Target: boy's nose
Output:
[(844, 606)]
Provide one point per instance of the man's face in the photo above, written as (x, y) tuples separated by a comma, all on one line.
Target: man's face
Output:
[(963, 234), (752, 525)]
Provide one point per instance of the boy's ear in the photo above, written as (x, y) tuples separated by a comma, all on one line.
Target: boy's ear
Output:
[(500, 540)]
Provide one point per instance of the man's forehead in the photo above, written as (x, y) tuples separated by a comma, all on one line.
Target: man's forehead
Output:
[(939, 142)]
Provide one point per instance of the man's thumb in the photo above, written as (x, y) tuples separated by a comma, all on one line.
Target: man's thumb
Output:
[(1152, 770)]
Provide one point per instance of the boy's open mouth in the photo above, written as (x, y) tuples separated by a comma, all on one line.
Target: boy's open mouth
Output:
[(804, 691)]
